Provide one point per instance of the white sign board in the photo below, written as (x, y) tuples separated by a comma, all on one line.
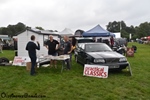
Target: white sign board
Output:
[(20, 61), (95, 71)]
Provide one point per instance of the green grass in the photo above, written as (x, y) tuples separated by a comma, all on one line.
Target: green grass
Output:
[(72, 85), (8, 54)]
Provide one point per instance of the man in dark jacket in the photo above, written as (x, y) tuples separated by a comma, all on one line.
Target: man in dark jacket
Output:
[(31, 47)]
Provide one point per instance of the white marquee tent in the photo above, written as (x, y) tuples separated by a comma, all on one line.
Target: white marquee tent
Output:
[(67, 32)]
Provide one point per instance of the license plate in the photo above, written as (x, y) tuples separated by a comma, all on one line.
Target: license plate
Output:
[(114, 66)]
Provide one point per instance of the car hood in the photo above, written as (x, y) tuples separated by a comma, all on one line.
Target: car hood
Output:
[(105, 54)]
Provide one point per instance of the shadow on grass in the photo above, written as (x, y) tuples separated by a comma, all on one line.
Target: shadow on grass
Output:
[(47, 70), (120, 73)]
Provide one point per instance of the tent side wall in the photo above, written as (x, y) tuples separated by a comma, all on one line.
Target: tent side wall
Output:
[(43, 50), (23, 39)]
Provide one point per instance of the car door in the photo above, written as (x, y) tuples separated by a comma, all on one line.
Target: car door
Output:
[(78, 52), (82, 54)]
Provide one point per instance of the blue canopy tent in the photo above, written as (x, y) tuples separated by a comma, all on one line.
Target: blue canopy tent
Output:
[(97, 31)]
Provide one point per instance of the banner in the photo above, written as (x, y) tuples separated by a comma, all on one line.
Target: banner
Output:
[(20, 61), (95, 71)]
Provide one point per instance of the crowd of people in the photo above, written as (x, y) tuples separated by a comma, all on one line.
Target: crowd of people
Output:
[(52, 46), (110, 42)]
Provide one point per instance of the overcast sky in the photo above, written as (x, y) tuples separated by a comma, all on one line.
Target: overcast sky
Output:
[(73, 14)]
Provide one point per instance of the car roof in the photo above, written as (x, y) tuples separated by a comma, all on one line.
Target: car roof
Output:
[(92, 43), (80, 38)]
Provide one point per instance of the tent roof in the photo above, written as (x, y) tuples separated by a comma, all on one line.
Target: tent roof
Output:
[(97, 31), (112, 34), (66, 31), (42, 32)]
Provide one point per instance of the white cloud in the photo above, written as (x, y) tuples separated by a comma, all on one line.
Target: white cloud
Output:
[(74, 14)]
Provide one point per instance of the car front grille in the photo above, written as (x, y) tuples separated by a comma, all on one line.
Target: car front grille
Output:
[(112, 60)]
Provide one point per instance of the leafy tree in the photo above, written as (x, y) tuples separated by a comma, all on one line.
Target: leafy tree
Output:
[(124, 34), (143, 30), (11, 30), (4, 31), (1, 30), (116, 26), (121, 26), (113, 27), (40, 28), (20, 27)]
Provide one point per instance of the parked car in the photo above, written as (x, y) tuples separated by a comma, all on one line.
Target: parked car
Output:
[(120, 49), (120, 45), (121, 41), (83, 40), (100, 54)]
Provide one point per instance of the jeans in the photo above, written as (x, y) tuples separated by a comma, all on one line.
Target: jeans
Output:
[(33, 64), (68, 62)]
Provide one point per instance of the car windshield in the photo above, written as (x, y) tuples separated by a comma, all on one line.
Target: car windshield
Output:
[(97, 47), (85, 40)]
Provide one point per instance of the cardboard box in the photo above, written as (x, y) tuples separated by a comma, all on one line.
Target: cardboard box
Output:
[(28, 66)]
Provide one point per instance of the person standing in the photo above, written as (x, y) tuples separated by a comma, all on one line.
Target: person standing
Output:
[(16, 46), (99, 40), (111, 41), (31, 48), (73, 43), (52, 46), (67, 50), (1, 45)]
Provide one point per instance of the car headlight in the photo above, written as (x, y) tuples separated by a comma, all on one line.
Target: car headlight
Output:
[(122, 59), (99, 60)]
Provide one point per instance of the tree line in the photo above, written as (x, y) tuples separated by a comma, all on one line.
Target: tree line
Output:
[(12, 30), (116, 26), (143, 30)]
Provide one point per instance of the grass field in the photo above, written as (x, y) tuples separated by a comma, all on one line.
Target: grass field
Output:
[(72, 85)]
